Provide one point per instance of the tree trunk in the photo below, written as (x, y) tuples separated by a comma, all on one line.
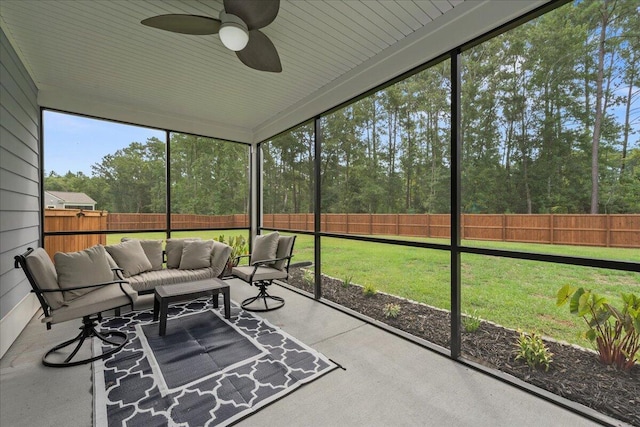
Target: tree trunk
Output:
[(597, 125)]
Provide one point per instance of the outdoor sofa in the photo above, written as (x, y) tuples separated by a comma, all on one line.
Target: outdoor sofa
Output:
[(145, 264)]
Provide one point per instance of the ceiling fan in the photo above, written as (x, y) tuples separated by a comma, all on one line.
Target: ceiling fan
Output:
[(238, 27)]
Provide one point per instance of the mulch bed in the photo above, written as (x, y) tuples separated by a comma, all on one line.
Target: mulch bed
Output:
[(575, 373)]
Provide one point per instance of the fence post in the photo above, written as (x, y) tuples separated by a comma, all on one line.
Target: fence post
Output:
[(608, 231), (347, 223), (370, 224), (397, 224), (551, 222), (428, 225), (461, 226), (504, 228)]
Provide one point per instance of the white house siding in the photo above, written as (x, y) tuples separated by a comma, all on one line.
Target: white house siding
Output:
[(19, 189)]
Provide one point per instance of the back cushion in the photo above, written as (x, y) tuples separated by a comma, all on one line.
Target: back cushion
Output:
[(196, 254), (152, 249), (285, 245), (130, 257), (82, 268), (265, 247), (45, 276), (174, 251)]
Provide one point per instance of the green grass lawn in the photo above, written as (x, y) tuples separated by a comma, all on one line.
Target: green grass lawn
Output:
[(518, 294)]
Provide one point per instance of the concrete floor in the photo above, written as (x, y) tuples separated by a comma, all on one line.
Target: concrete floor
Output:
[(388, 381)]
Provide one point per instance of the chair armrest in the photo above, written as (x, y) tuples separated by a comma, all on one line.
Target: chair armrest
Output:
[(95, 285), (73, 288), (237, 259), (271, 261)]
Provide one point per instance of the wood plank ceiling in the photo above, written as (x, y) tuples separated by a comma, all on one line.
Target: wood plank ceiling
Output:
[(94, 57)]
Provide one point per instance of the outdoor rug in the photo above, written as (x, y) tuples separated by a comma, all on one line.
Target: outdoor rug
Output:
[(206, 370)]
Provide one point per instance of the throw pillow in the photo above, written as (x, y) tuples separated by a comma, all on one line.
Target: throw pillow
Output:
[(130, 257), (152, 249), (82, 268), (174, 251), (196, 254), (265, 247)]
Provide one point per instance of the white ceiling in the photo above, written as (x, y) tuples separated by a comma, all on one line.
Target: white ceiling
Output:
[(95, 58)]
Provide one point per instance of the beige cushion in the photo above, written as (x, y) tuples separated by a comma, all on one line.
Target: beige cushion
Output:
[(196, 254), (44, 273), (174, 251), (285, 246), (219, 256), (82, 268), (262, 273), (145, 282), (101, 299), (130, 257), (265, 247), (152, 249)]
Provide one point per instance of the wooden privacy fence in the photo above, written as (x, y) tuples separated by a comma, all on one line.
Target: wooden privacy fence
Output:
[(145, 221), (78, 220), (73, 220), (621, 231)]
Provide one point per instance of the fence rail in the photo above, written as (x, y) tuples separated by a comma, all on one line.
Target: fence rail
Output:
[(621, 231)]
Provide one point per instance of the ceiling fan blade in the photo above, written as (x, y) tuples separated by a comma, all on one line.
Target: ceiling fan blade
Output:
[(260, 53), (255, 13), (184, 24)]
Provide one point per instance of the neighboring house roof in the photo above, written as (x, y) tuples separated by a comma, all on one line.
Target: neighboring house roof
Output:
[(70, 197)]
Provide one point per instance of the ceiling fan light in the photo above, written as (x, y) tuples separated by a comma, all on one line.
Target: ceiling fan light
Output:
[(233, 32)]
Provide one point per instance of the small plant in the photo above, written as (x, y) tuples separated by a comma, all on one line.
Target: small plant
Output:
[(391, 310), (369, 290), (532, 350), (616, 333), (471, 322), (347, 281), (309, 277)]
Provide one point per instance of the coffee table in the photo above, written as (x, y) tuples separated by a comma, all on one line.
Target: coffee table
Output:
[(165, 294)]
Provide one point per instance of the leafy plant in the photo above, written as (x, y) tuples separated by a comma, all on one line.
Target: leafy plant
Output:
[(369, 290), (471, 322), (531, 348), (309, 277), (347, 281), (391, 310), (616, 333), (239, 245)]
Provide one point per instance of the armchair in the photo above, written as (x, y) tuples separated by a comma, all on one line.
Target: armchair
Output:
[(269, 261), (61, 304)]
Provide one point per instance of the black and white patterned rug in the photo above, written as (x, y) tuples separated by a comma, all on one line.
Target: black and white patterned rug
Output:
[(206, 370)]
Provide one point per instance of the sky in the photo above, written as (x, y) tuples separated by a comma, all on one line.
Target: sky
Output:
[(74, 143)]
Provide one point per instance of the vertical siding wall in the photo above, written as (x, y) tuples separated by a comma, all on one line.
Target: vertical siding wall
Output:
[(19, 189)]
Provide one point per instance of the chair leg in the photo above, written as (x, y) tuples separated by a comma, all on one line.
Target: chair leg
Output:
[(87, 330), (275, 301)]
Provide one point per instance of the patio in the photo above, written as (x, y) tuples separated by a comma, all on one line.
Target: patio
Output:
[(387, 380)]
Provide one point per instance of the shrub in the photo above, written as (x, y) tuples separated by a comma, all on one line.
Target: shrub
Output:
[(532, 350), (391, 310), (471, 322), (369, 290), (616, 333)]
